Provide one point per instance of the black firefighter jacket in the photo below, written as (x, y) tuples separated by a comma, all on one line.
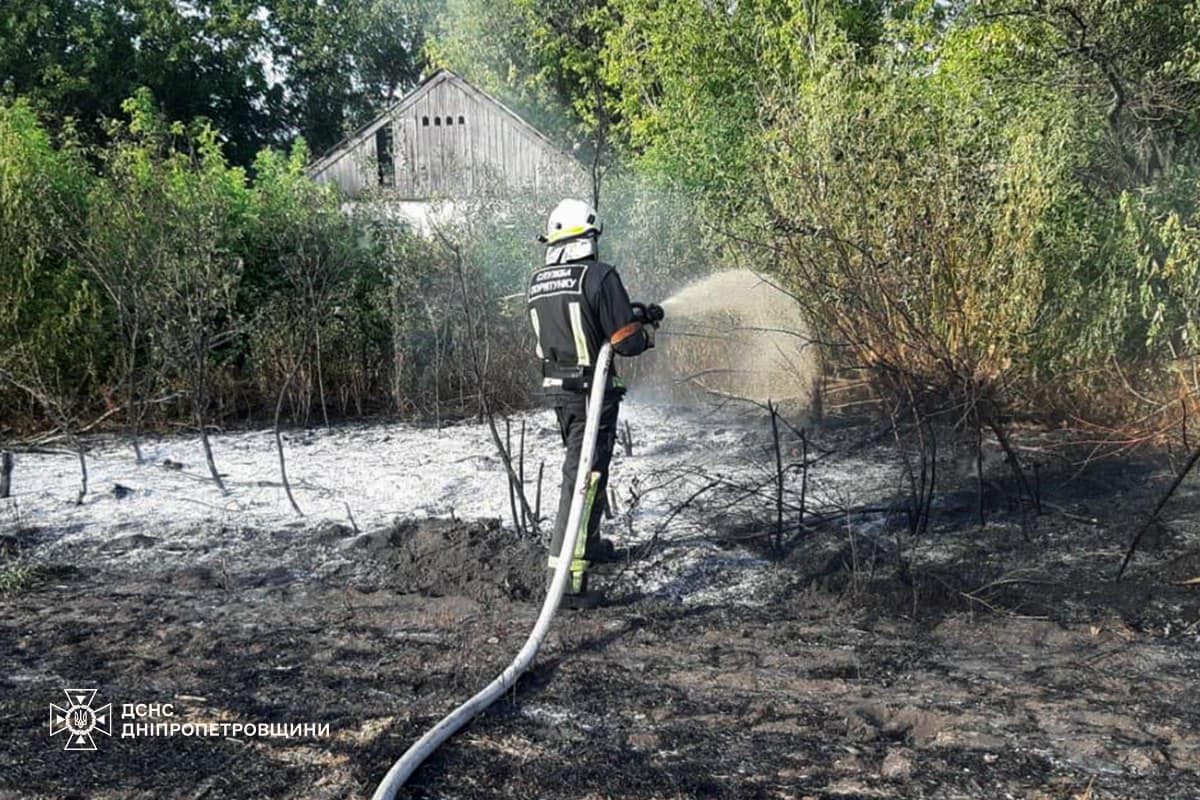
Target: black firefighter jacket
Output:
[(575, 307)]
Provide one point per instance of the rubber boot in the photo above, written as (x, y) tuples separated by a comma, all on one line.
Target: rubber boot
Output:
[(605, 552), (584, 599)]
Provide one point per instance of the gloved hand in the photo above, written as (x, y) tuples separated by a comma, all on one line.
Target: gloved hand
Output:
[(648, 314)]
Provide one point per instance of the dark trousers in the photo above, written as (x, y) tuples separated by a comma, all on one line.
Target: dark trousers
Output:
[(572, 418)]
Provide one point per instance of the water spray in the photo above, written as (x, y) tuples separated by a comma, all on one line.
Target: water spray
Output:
[(452, 722), (736, 335)]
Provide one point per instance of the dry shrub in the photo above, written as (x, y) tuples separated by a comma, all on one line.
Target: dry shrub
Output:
[(911, 240)]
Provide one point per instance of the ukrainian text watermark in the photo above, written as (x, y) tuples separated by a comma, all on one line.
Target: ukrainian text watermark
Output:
[(82, 717)]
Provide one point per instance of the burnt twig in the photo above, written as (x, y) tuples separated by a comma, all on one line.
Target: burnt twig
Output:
[(1137, 538)]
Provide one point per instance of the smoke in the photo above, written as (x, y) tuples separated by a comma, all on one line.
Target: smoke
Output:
[(733, 334)]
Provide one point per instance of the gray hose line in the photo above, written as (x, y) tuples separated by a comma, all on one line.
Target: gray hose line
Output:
[(412, 758)]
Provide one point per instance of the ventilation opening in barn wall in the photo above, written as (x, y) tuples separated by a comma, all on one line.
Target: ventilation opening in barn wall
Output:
[(383, 154)]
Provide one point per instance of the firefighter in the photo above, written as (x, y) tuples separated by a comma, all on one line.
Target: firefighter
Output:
[(576, 303)]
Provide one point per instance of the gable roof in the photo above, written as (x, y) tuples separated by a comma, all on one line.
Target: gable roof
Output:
[(348, 143)]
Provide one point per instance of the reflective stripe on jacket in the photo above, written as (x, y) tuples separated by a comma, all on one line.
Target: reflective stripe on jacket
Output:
[(575, 307)]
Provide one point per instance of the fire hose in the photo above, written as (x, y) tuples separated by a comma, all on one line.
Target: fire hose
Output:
[(452, 722)]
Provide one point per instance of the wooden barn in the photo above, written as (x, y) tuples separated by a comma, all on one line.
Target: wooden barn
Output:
[(445, 141)]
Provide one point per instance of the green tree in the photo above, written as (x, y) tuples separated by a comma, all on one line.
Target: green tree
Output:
[(1136, 62), (260, 72), (345, 60), (690, 78), (191, 293), (313, 243), (546, 58), (81, 59), (123, 246), (51, 339)]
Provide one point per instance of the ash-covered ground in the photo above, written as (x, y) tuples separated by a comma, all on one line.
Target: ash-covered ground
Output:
[(991, 662)]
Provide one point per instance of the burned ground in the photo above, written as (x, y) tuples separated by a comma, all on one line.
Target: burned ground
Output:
[(989, 667)]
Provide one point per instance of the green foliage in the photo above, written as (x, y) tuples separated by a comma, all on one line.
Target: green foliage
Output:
[(908, 212), (305, 251), (995, 199), (938, 191), (1162, 227), (344, 60), (688, 97), (529, 54), (49, 312), (259, 72), (17, 576), (1133, 62), (168, 273), (82, 59)]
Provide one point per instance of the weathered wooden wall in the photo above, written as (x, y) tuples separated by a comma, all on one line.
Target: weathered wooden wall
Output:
[(450, 141), (353, 165)]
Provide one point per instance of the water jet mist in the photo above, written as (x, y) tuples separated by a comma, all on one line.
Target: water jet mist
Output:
[(733, 334)]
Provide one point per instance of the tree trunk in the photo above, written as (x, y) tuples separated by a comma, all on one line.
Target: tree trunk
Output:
[(208, 457), (321, 379), (397, 348), (305, 397), (6, 470), (133, 417), (83, 473), (437, 366), (287, 487), (778, 543), (208, 453)]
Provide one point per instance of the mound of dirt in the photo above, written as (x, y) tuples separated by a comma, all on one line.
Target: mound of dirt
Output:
[(437, 557)]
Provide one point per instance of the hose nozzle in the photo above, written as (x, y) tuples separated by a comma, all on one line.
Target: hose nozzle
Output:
[(648, 313)]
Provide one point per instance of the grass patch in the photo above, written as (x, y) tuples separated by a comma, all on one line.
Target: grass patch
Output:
[(17, 577)]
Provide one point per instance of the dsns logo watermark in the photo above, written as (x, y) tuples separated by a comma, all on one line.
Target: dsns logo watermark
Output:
[(79, 719)]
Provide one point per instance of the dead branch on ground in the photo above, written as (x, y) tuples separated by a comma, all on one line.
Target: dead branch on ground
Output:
[(1137, 537)]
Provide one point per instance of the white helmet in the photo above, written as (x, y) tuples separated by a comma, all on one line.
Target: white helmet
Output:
[(571, 219)]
